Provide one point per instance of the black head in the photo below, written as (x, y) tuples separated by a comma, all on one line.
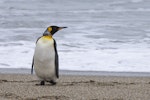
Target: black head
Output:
[(51, 30)]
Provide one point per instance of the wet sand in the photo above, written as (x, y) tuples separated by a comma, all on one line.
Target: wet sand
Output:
[(74, 87)]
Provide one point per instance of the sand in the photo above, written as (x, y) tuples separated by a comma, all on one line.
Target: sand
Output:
[(74, 87)]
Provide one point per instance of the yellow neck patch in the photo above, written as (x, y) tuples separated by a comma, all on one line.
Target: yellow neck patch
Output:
[(47, 37)]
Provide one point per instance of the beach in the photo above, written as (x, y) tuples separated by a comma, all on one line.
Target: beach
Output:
[(112, 35), (74, 87)]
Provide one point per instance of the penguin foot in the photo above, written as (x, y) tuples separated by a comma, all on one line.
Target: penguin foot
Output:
[(42, 83), (53, 82)]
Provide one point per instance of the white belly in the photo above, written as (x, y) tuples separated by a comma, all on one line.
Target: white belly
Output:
[(44, 60)]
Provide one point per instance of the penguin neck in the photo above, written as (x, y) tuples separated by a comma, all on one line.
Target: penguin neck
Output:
[(48, 37)]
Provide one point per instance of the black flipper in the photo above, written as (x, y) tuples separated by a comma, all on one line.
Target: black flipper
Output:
[(38, 39), (56, 60), (32, 65)]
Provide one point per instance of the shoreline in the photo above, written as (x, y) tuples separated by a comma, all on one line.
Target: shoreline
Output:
[(81, 73)]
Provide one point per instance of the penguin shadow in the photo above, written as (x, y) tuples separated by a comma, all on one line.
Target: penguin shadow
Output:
[(47, 84), (66, 83), (38, 83)]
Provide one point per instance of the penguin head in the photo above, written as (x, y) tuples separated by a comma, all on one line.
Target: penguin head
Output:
[(51, 30)]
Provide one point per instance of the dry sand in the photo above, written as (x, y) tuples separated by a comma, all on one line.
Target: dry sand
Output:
[(22, 87)]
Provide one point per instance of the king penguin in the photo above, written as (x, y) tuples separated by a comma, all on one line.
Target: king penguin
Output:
[(45, 59)]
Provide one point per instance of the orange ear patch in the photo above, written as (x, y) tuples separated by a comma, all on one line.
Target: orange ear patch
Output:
[(49, 29)]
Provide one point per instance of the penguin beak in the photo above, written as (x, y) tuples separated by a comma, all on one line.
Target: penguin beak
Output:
[(61, 28)]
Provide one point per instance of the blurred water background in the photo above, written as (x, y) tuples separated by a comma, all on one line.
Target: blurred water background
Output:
[(102, 35)]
